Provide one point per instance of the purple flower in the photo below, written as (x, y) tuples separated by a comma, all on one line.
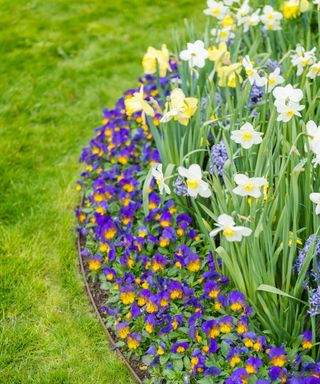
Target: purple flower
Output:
[(219, 156), (278, 357), (179, 347)]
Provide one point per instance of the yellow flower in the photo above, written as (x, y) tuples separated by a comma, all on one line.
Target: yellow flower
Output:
[(293, 8), (227, 21), (180, 108), (216, 54), (155, 57), (137, 103), (228, 75)]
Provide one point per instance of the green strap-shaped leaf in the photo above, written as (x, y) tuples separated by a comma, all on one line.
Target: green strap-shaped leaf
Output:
[(276, 291)]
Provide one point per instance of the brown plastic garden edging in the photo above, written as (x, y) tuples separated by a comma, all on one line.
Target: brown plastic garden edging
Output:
[(109, 336)]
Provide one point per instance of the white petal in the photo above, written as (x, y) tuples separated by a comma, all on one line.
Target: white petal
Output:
[(225, 220), (240, 178)]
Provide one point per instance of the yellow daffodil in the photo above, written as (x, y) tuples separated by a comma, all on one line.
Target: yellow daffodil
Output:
[(154, 58), (228, 75), (293, 8), (137, 103), (219, 53), (180, 108)]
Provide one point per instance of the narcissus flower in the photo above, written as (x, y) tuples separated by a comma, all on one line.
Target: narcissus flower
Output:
[(302, 58), (293, 8), (252, 73), (226, 224), (229, 75), (246, 136), (158, 175), (196, 186), (216, 9), (315, 198), (137, 103), (195, 54), (249, 186), (287, 102), (219, 53), (313, 132), (274, 79), (180, 107), (314, 71), (154, 58), (271, 18)]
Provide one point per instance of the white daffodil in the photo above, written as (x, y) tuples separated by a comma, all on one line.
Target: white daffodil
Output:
[(251, 20), (216, 9), (287, 102), (137, 103), (253, 75), (195, 54), (317, 2), (287, 111), (248, 186), (314, 70), (302, 58), (180, 108), (243, 12), (158, 175), (226, 224), (196, 186), (274, 79), (271, 19), (246, 136), (315, 198), (229, 3), (313, 132), (223, 34), (287, 94)]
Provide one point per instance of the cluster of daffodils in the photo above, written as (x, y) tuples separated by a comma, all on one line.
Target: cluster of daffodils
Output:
[(302, 60), (168, 302), (240, 14)]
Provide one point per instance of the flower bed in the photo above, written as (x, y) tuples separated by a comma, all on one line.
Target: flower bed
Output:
[(162, 264)]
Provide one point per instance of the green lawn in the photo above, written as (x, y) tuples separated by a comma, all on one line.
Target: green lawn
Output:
[(62, 61)]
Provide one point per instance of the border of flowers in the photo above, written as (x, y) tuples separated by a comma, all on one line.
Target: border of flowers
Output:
[(98, 314)]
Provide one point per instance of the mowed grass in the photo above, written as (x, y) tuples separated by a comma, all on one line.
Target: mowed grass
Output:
[(61, 63)]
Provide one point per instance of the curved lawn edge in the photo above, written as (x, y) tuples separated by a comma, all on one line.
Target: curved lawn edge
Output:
[(98, 314)]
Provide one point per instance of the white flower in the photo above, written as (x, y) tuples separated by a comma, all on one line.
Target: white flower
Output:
[(243, 12), (224, 34), (287, 102), (287, 111), (274, 79), (313, 132), (271, 18), (246, 136), (249, 186), (158, 175), (251, 20), (317, 2), (253, 75), (196, 186), (287, 94), (315, 198), (216, 9), (230, 2), (195, 54), (231, 232), (314, 70), (302, 58)]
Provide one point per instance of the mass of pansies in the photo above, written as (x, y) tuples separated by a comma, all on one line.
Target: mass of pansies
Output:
[(201, 202)]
